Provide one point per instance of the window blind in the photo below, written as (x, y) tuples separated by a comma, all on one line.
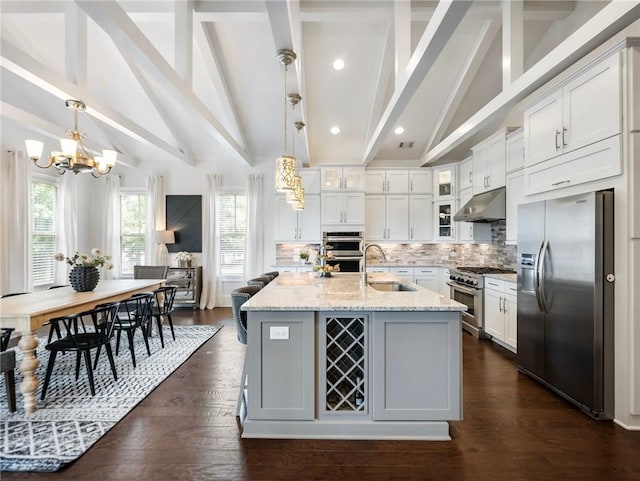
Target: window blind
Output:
[(133, 207), (233, 226), (44, 201)]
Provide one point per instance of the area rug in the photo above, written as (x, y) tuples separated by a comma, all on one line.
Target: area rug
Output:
[(69, 420)]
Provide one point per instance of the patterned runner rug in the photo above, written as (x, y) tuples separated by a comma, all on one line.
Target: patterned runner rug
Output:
[(69, 420)]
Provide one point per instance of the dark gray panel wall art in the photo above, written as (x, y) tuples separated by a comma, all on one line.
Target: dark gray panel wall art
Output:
[(184, 217)]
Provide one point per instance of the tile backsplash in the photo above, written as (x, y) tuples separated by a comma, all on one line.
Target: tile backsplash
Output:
[(495, 254)]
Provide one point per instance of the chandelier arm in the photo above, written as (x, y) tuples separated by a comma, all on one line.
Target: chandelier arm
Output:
[(50, 162)]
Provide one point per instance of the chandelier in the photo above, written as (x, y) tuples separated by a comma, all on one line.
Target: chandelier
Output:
[(285, 164), (74, 156)]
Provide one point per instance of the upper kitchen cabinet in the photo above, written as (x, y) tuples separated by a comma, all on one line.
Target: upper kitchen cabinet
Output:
[(443, 212), (387, 217), (515, 151), (387, 181), (310, 180), (342, 209), (465, 174), (584, 110), (420, 218), (301, 225), (444, 180), (420, 181), (488, 165), (342, 179)]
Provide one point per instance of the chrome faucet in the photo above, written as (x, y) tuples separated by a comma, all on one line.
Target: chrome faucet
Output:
[(383, 258)]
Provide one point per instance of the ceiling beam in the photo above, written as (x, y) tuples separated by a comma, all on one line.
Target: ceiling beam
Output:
[(183, 51), (512, 41), (29, 69), (382, 81), (128, 37), (446, 17), (402, 35), (53, 131), (477, 54), (603, 25), (286, 28), (75, 28), (210, 48)]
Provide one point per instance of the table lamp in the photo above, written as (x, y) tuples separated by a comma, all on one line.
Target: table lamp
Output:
[(162, 238)]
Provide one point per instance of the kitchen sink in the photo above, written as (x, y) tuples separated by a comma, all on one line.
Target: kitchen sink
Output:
[(391, 286)]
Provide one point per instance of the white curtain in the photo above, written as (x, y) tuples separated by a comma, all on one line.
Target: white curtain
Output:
[(210, 246), (67, 224), (155, 218), (15, 223), (110, 241), (254, 246)]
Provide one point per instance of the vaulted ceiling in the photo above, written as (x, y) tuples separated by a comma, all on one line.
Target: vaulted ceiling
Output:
[(199, 82)]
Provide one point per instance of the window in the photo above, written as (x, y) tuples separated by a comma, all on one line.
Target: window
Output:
[(233, 227), (44, 200), (133, 209)]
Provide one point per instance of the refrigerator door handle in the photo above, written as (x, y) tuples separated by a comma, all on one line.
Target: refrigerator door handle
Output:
[(536, 269), (543, 254)]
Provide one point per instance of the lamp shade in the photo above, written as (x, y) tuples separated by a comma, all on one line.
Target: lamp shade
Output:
[(165, 237), (285, 172)]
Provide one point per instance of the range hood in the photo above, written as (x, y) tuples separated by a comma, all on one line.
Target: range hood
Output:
[(485, 207)]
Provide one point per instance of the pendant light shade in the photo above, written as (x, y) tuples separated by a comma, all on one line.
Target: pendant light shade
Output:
[(285, 173)]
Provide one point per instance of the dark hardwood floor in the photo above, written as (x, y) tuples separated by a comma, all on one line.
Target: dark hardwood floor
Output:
[(513, 429)]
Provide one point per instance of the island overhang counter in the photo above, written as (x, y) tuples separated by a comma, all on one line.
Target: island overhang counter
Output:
[(329, 357)]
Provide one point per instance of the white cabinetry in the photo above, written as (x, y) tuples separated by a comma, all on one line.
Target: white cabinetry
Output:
[(427, 277), (342, 178), (515, 151), (387, 181), (443, 213), (387, 217), (377, 269), (420, 218), (301, 225), (404, 272), (444, 182), (489, 159), (443, 278), (465, 174), (310, 180), (472, 231), (500, 312), (586, 109), (342, 209), (421, 181), (515, 196)]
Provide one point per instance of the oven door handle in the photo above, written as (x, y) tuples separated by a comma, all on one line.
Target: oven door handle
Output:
[(467, 290), (345, 258)]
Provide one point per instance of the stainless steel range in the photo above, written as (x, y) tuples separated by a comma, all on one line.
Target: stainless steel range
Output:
[(467, 287)]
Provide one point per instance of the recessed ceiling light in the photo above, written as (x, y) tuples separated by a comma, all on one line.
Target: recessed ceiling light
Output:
[(335, 130), (399, 130), (338, 64)]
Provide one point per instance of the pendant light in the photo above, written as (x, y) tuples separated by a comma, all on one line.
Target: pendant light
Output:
[(285, 164), (296, 197)]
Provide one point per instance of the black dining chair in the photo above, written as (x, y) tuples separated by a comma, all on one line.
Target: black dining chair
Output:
[(6, 332), (7, 367), (162, 306), (150, 272), (134, 313), (238, 297), (83, 332)]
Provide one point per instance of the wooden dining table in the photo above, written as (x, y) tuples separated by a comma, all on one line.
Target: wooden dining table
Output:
[(27, 313)]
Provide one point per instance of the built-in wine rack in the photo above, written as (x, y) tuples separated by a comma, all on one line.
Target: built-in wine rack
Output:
[(346, 340)]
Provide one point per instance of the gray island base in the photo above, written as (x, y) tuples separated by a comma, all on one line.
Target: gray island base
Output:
[(331, 358)]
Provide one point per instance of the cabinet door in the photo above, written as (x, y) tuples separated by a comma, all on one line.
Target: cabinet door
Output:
[(479, 167), (375, 218), (543, 129), (331, 178), (465, 174), (443, 278), (444, 179), (353, 208), (331, 208), (511, 316), (397, 181), (496, 162), (515, 151), (397, 214), (421, 181), (515, 196), (309, 220), (430, 283), (420, 218), (591, 105), (404, 272), (375, 182), (353, 179), (443, 213), (493, 315), (310, 181), (286, 220)]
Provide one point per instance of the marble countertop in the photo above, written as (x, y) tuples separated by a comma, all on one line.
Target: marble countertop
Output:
[(342, 292), (504, 277)]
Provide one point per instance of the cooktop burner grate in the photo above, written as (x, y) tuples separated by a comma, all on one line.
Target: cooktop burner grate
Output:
[(485, 270)]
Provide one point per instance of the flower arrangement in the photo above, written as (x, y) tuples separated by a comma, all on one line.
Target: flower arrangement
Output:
[(94, 259), (184, 256)]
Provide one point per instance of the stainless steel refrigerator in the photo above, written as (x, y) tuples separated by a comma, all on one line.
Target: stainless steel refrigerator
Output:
[(565, 298)]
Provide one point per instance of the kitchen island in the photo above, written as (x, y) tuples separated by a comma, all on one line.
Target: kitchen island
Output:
[(331, 358)]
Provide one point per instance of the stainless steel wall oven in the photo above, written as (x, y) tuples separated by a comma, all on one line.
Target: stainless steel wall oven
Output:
[(345, 249)]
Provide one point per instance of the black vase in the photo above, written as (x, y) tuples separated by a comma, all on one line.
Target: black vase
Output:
[(84, 279)]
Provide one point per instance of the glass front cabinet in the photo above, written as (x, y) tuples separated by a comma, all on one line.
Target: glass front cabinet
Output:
[(443, 219)]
